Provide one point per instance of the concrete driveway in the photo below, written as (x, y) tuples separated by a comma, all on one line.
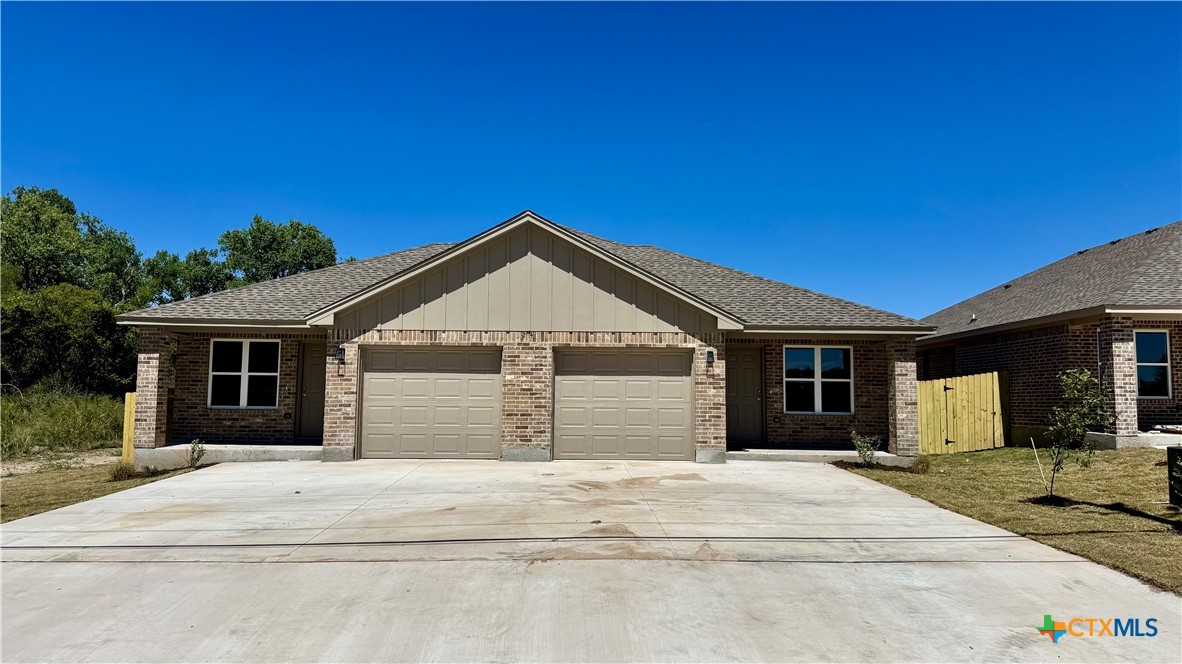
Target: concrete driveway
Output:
[(561, 561)]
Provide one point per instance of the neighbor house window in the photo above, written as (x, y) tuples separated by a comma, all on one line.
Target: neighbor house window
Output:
[(243, 374), (818, 380), (1153, 364)]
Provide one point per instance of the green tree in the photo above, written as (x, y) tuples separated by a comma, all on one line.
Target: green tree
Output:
[(111, 263), (40, 238), (66, 335), (1082, 409), (266, 250), (167, 278)]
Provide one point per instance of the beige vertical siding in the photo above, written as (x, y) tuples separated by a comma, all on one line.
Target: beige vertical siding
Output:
[(529, 280)]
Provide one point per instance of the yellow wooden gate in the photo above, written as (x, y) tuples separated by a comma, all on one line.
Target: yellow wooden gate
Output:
[(961, 414)]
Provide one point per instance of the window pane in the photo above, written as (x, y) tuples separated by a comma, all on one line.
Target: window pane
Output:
[(224, 390), (798, 396), (835, 397), (798, 363), (1151, 347), (835, 363), (1153, 382), (264, 357), (227, 356), (261, 390)]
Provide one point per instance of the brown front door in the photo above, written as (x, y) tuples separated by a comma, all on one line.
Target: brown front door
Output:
[(744, 394), (312, 391)]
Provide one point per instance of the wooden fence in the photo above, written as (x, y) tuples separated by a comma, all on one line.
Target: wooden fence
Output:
[(962, 414)]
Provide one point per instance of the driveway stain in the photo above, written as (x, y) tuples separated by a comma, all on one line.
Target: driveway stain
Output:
[(649, 482), (599, 502)]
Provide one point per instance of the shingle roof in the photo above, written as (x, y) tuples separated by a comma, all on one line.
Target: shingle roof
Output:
[(290, 299), (754, 300), (1139, 270)]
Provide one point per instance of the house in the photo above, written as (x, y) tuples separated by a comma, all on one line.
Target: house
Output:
[(1114, 309), (530, 341)]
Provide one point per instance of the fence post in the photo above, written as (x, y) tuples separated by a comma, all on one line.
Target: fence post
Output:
[(129, 427)]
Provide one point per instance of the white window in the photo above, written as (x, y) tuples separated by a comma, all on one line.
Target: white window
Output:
[(818, 380), (243, 374), (1153, 364)]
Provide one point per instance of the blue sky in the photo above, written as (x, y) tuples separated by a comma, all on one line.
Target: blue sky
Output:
[(902, 155)]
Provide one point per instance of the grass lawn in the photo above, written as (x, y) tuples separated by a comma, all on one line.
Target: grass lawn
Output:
[(1116, 515), (25, 495)]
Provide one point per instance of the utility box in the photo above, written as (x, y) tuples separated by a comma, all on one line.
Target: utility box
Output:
[(1174, 472)]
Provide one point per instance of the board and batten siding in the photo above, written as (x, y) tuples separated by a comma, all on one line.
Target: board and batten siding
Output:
[(530, 280)]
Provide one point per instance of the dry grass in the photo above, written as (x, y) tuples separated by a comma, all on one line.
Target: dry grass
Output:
[(25, 495), (1116, 513), (37, 421)]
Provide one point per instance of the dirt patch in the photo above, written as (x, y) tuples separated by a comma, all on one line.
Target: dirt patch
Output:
[(599, 502), (606, 551), (707, 552), (611, 530), (636, 482), (51, 461)]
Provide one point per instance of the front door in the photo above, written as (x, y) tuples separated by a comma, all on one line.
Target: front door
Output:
[(744, 394), (312, 391)]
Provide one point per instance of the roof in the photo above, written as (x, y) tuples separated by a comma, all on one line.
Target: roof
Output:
[(1142, 271), (753, 300)]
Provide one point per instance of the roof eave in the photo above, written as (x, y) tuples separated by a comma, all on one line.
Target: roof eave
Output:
[(896, 330), (150, 321)]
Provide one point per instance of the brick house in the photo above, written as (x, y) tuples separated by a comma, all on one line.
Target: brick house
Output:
[(529, 341), (1114, 309)]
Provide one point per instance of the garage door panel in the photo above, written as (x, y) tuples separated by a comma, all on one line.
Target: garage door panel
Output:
[(623, 404), (606, 389), (431, 403)]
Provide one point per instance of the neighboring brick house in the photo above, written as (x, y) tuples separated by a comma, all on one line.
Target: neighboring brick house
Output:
[(530, 341), (1114, 309)]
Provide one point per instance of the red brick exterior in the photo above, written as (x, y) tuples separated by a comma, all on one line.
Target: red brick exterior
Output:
[(1033, 359), (874, 402), (883, 370), (186, 384)]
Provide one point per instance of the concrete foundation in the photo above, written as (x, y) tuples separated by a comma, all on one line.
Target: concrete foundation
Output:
[(177, 456), (337, 454), (1112, 441), (704, 455), (818, 456), (525, 454)]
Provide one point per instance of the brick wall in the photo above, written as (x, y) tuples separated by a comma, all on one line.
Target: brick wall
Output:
[(193, 418), (151, 388), (1033, 359), (527, 382), (871, 386)]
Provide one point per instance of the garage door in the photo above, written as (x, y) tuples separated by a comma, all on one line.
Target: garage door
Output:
[(623, 405), (431, 402)]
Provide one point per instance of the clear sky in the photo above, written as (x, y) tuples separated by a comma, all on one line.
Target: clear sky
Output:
[(902, 155)]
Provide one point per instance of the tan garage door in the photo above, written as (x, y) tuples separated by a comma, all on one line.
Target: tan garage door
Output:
[(431, 402), (623, 404)]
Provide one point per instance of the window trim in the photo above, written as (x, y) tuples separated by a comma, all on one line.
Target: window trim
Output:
[(1166, 364), (817, 380), (244, 374)]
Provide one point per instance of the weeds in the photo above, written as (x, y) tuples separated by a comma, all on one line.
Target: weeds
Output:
[(196, 452), (36, 420)]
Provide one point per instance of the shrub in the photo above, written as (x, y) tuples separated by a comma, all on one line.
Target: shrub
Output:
[(196, 451), (58, 420), (1083, 409), (866, 447), (920, 466), (123, 471)]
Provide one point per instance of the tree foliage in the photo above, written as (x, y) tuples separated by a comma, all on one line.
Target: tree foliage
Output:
[(1082, 410), (65, 275), (66, 335), (266, 250)]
